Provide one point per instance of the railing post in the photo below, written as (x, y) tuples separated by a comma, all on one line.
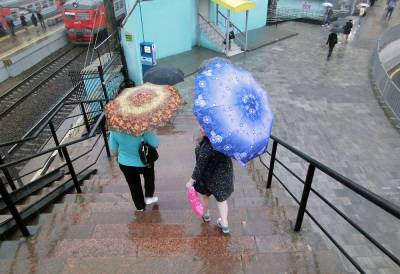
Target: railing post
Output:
[(101, 74), (71, 170), (85, 117), (217, 15), (104, 133), (272, 163), (54, 133), (8, 176), (246, 29), (13, 210), (304, 197), (227, 41)]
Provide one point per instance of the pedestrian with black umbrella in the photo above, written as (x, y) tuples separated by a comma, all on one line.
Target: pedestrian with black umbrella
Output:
[(331, 42)]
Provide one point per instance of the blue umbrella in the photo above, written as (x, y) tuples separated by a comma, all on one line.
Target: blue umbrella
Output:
[(233, 109)]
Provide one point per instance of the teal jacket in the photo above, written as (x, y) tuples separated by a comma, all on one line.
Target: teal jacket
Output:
[(127, 146)]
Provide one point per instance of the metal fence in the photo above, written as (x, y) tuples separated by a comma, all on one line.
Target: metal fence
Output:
[(389, 91), (101, 78)]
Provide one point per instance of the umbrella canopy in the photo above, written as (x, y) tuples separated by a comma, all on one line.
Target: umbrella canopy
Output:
[(327, 5), (163, 75), (233, 110), (365, 5), (137, 110)]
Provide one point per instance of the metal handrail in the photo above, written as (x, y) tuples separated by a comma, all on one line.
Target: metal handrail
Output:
[(380, 202), (392, 99), (55, 148), (211, 25), (129, 13), (241, 40), (233, 25), (360, 190), (284, 14)]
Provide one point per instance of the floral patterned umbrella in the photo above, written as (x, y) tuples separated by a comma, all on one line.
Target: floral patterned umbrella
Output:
[(137, 110), (233, 110)]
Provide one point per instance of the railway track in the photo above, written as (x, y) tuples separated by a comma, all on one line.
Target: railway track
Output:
[(22, 106), (17, 94)]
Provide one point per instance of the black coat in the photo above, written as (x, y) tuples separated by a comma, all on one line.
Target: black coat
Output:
[(34, 19), (23, 20), (332, 39), (347, 28), (213, 172)]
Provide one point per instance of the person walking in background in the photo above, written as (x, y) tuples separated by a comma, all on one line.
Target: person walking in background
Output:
[(34, 20), (390, 6), (23, 21), (127, 148), (212, 175), (331, 42), (347, 29), (327, 18), (362, 14), (10, 22), (41, 20)]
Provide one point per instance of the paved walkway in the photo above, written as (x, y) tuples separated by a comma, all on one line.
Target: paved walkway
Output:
[(328, 110), (99, 231)]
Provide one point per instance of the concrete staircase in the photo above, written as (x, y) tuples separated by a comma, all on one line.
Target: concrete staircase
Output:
[(213, 32), (99, 231)]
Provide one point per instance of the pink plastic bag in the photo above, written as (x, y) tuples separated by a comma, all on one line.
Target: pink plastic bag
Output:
[(194, 201)]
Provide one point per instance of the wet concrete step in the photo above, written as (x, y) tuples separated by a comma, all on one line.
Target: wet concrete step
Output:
[(174, 203), (34, 198), (267, 263), (259, 222)]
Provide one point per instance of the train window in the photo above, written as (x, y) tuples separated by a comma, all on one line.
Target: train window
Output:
[(69, 15), (82, 16)]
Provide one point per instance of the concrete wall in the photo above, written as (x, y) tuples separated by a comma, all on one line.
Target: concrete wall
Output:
[(257, 16), (171, 24), (29, 56)]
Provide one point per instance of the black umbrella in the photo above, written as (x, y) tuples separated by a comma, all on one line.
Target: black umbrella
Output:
[(163, 75)]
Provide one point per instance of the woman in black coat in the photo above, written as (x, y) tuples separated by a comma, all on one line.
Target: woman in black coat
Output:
[(213, 175)]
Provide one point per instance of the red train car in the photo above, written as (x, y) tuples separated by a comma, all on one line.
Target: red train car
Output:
[(85, 19)]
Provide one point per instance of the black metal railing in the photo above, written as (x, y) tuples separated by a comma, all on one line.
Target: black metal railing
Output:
[(314, 165), (84, 103), (278, 15), (68, 163)]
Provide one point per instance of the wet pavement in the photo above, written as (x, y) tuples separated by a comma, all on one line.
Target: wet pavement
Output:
[(325, 108), (100, 232), (329, 110)]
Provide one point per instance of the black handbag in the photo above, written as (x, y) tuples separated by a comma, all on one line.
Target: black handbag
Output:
[(148, 154)]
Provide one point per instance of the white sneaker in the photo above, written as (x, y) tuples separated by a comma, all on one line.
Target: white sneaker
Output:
[(151, 200)]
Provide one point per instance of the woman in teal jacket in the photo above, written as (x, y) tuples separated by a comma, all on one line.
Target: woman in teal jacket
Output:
[(127, 148)]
